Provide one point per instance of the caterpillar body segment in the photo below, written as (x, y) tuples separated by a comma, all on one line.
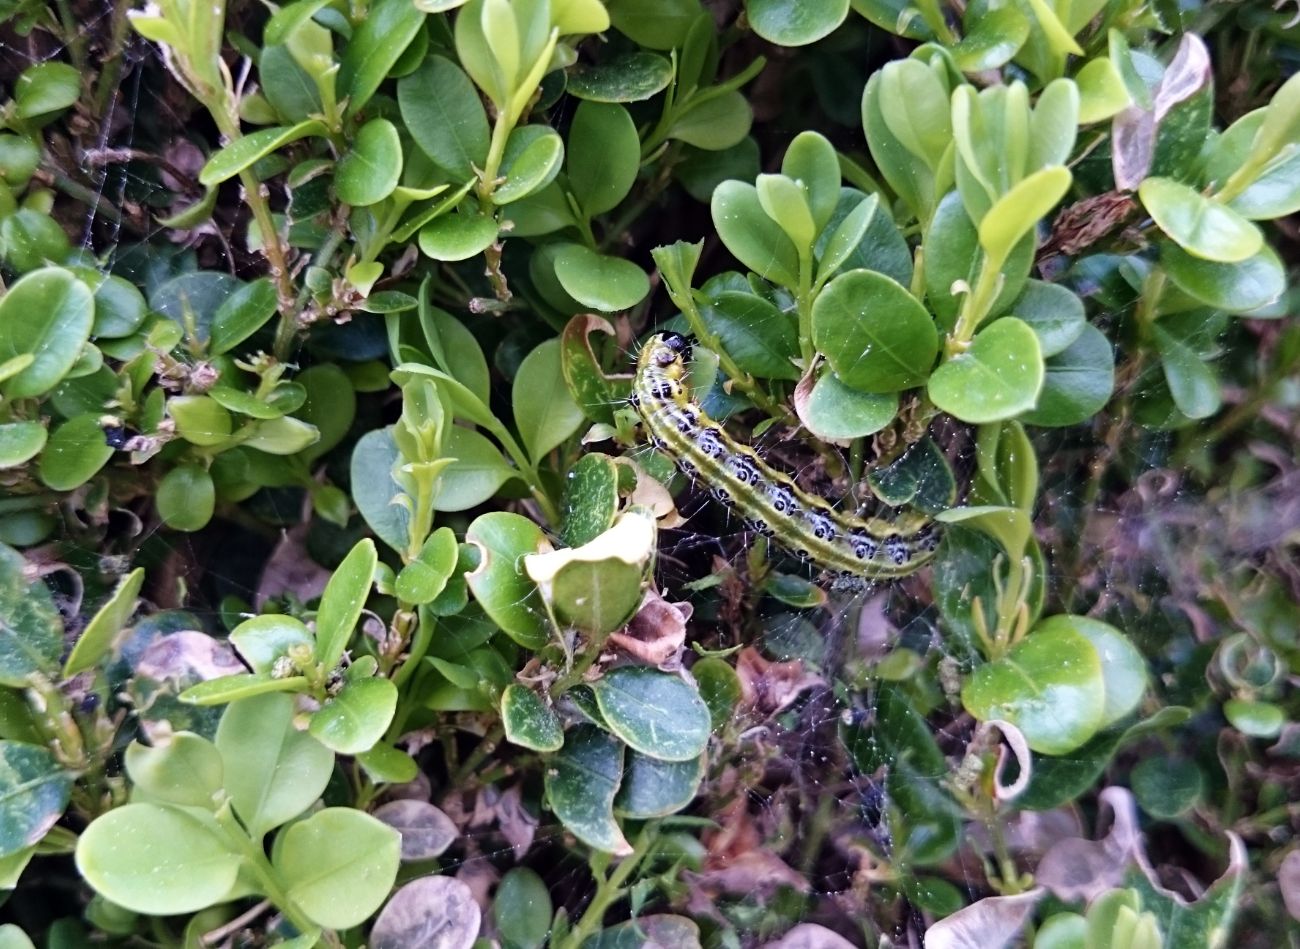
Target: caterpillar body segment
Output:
[(768, 500)]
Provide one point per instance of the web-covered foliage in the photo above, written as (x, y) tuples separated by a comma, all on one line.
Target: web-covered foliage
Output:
[(345, 597)]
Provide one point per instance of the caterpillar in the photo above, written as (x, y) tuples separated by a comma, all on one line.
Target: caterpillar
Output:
[(768, 500)]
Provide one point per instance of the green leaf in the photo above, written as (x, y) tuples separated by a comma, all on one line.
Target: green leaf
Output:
[(846, 238), (656, 713), (354, 720), (655, 24), (242, 314), (632, 77), (45, 88), (385, 764), (785, 202), (1192, 383), (387, 29), (47, 313), (20, 442), (604, 155), (528, 721), (183, 768), (373, 487), (875, 334), (425, 577), (598, 281), (453, 237), (953, 258), (476, 474), (714, 123), (442, 111), (274, 772), (1018, 212), (997, 378), (199, 419), (544, 411), (76, 450), (1123, 669), (32, 240), (1102, 94), (248, 150), (1009, 526), (655, 788), (755, 334), (262, 640), (522, 909), (1200, 225), (1255, 719), (119, 307), (751, 236), (1167, 788), (1053, 312), (102, 631), (499, 584), (34, 790), (338, 865), (1078, 382), (795, 22), (530, 162), (371, 169), (590, 499), (330, 405), (994, 36), (597, 587), (913, 102), (232, 688), (342, 602), (31, 631), (1050, 686), (186, 498), (1235, 288), (1281, 123), (720, 689), (581, 781), (835, 412), (158, 860)]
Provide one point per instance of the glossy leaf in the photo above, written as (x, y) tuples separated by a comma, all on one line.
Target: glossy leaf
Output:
[(998, 377), (875, 334), (442, 111), (529, 722), (186, 498), (656, 713), (581, 781), (34, 790), (342, 602), (499, 584), (47, 313), (158, 860), (544, 411), (338, 865), (1201, 226), (795, 22), (274, 772), (370, 170), (604, 155), (1050, 686), (599, 281), (246, 151), (101, 633), (354, 720)]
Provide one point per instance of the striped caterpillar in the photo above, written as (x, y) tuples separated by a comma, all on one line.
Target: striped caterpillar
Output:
[(769, 501)]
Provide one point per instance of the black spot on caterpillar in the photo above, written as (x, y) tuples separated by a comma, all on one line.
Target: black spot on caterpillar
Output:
[(766, 499)]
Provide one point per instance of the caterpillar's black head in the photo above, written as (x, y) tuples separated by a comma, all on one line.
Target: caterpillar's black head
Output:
[(678, 344)]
